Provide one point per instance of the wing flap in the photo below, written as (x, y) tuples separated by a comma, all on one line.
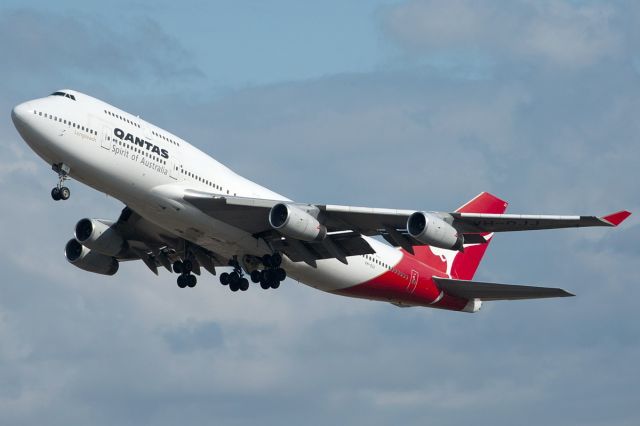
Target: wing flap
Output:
[(492, 291), (249, 214), (349, 244)]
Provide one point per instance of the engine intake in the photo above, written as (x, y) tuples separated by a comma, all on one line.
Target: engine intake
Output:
[(100, 236), (89, 260), (433, 231), (294, 222)]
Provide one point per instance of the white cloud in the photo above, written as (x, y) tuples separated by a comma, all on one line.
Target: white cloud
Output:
[(14, 164), (548, 33)]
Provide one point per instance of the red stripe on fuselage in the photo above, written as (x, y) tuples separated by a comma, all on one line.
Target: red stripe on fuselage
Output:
[(416, 286)]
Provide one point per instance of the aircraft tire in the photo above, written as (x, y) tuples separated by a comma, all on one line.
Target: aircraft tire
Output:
[(65, 193), (182, 281), (281, 274), (224, 278), (177, 267), (275, 284), (255, 276), (55, 194), (264, 282), (276, 260), (191, 280), (244, 284)]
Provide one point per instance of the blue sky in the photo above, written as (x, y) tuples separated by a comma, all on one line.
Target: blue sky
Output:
[(408, 104)]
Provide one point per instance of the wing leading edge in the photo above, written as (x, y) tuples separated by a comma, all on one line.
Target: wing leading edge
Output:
[(251, 215)]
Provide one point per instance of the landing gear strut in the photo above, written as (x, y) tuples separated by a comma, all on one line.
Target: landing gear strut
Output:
[(186, 278), (61, 192)]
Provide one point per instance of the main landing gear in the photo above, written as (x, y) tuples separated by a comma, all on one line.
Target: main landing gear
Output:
[(186, 278), (270, 277), (235, 280), (61, 192)]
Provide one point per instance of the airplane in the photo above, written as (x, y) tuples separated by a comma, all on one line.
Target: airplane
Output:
[(186, 212)]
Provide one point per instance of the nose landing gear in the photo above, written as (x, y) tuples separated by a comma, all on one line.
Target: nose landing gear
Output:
[(61, 192)]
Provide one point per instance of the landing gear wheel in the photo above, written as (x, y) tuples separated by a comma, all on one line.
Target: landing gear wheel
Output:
[(177, 267), (225, 279), (271, 275), (264, 283), (275, 284), (255, 276), (61, 192), (182, 281), (187, 266), (234, 277), (244, 284), (65, 193), (281, 274), (234, 286), (266, 260), (191, 280), (276, 260)]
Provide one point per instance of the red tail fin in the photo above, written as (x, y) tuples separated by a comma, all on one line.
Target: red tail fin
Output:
[(463, 265)]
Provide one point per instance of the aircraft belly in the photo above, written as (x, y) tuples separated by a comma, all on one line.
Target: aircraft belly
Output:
[(185, 221), (332, 275)]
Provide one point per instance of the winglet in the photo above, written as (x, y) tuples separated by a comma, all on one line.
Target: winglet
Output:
[(617, 218)]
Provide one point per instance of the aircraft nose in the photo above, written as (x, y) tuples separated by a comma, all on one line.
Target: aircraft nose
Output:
[(20, 112)]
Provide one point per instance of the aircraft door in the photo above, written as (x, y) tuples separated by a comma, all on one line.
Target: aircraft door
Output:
[(174, 169), (105, 141), (413, 281)]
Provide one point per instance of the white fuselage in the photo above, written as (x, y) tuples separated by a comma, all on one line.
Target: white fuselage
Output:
[(148, 169)]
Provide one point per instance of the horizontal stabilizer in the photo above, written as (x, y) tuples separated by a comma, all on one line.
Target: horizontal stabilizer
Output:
[(491, 291)]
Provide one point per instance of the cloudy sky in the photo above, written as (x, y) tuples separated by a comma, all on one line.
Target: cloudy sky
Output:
[(408, 104)]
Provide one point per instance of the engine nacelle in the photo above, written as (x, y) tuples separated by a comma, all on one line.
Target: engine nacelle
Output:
[(89, 260), (296, 223), (99, 236), (431, 230)]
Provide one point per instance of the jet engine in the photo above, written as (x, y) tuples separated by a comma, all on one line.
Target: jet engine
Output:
[(100, 236), (430, 229), (294, 222), (89, 260)]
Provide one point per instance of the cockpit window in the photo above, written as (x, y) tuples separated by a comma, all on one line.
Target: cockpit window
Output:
[(66, 95)]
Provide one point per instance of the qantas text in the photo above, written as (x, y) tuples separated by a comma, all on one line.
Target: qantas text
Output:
[(121, 134)]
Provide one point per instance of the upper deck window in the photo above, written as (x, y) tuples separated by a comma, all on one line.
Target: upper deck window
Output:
[(66, 95)]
